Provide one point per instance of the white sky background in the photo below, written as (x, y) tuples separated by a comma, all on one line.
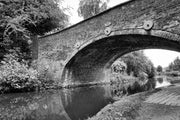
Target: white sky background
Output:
[(157, 56), (73, 5), (161, 57)]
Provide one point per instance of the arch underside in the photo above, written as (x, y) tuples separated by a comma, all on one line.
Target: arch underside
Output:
[(92, 63)]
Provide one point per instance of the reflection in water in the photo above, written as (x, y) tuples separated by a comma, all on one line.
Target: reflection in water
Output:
[(85, 102), (32, 106), (162, 81), (64, 104)]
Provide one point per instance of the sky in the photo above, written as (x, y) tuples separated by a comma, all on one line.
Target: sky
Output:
[(157, 56)]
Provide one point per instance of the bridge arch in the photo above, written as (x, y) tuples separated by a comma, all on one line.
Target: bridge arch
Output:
[(92, 61), (82, 53)]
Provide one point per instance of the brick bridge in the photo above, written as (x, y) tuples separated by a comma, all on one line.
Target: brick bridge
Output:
[(83, 53)]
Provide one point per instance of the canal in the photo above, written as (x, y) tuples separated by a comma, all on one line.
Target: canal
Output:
[(65, 104)]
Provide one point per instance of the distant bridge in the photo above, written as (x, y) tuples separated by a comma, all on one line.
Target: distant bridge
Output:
[(84, 52)]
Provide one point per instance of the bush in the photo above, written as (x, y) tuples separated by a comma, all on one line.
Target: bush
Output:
[(173, 73), (16, 75), (44, 75), (143, 77), (131, 85)]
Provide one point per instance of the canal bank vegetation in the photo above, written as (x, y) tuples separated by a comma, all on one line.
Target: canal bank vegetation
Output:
[(172, 72), (20, 22), (16, 75), (132, 73)]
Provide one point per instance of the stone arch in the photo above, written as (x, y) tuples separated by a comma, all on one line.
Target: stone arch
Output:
[(91, 63)]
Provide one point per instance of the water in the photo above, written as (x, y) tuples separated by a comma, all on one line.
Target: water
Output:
[(67, 104), (162, 82)]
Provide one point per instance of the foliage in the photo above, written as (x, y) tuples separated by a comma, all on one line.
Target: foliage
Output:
[(175, 65), (173, 73), (44, 75), (159, 68), (118, 66), (142, 77), (16, 75), (127, 85), (137, 63), (89, 8), (20, 19)]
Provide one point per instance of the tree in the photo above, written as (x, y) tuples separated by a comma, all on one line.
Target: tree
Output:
[(159, 68), (118, 66), (89, 8), (150, 69), (170, 67), (137, 63), (20, 19), (175, 65)]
